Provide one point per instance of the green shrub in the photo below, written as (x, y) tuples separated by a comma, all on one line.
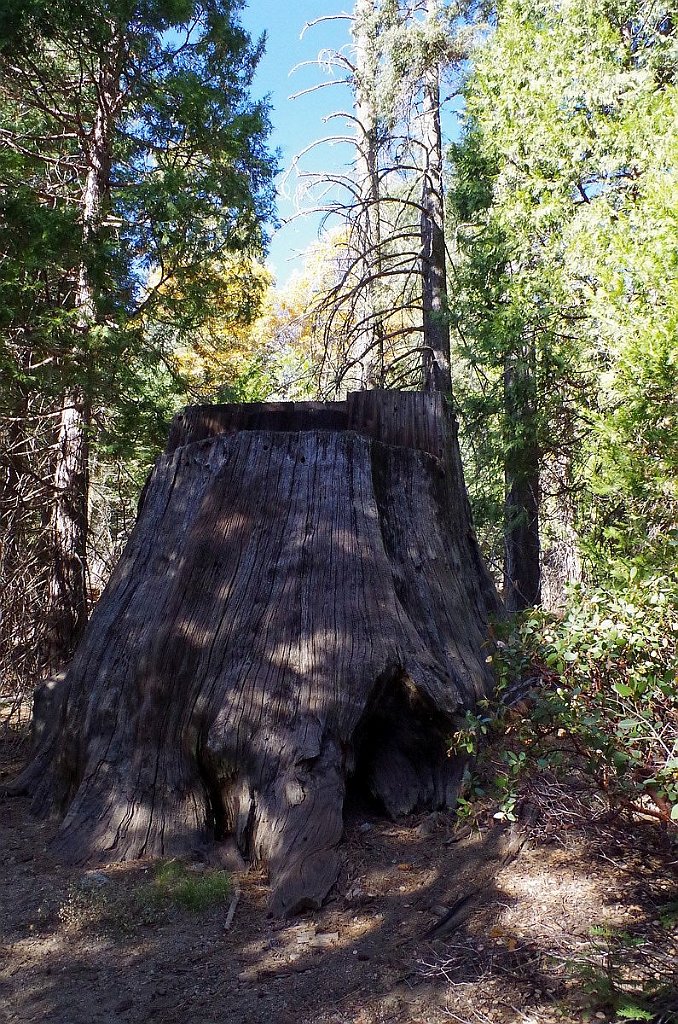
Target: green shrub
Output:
[(600, 683)]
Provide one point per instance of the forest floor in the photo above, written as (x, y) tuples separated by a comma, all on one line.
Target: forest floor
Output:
[(570, 918)]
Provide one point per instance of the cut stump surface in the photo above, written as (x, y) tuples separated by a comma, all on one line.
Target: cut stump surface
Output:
[(301, 606)]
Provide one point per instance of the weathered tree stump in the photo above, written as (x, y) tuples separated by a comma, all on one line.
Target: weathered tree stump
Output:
[(301, 606)]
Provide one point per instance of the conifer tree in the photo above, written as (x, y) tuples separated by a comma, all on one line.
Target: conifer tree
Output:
[(132, 123)]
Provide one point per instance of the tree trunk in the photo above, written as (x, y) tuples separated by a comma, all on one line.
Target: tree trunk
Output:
[(67, 613), (436, 328), (522, 571), (301, 608), (560, 558), (522, 568), (368, 218), (68, 577)]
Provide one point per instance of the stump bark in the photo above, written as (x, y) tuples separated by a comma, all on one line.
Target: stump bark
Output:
[(301, 608)]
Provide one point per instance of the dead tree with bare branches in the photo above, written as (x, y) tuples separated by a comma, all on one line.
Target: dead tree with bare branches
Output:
[(389, 299)]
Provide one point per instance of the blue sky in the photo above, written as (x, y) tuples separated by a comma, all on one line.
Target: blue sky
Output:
[(297, 123)]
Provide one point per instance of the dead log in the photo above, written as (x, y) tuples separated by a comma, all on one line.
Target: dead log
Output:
[(301, 607)]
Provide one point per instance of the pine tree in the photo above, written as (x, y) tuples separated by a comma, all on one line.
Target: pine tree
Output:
[(133, 120)]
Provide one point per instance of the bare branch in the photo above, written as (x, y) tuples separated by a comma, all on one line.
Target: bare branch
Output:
[(320, 85), (326, 17)]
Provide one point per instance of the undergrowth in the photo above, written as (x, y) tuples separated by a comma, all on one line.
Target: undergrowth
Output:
[(174, 883), (584, 720), (107, 905), (594, 689), (627, 974)]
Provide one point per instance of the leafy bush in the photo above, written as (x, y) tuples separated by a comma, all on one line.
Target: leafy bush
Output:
[(599, 684)]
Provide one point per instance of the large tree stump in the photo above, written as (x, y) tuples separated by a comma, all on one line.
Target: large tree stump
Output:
[(301, 606)]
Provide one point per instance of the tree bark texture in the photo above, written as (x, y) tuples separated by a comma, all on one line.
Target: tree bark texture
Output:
[(301, 609), (522, 563), (67, 584)]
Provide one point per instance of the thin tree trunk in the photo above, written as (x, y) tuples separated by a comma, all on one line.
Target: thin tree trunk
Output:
[(436, 328), (560, 559), (367, 170), (522, 571), (68, 580)]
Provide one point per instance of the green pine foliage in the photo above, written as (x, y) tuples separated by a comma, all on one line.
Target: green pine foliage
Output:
[(134, 165), (189, 184)]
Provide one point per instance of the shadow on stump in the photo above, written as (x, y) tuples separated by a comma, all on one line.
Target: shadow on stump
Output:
[(302, 602)]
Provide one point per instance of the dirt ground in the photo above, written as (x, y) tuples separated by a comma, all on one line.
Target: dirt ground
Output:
[(569, 918)]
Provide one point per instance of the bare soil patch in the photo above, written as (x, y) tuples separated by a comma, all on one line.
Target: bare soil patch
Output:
[(432, 920)]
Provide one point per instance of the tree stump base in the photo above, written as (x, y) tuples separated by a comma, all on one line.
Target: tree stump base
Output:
[(301, 604)]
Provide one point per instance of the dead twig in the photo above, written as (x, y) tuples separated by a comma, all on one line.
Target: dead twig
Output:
[(233, 904)]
